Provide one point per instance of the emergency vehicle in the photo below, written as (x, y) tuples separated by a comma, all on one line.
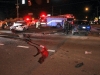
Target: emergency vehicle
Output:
[(56, 21)]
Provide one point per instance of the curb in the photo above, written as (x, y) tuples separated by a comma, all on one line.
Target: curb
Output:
[(84, 37)]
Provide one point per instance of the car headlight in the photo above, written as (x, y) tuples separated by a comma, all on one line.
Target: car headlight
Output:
[(84, 27)]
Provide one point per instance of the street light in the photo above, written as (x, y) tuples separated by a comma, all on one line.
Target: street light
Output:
[(86, 8)]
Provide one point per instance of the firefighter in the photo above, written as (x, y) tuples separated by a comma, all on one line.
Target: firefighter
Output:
[(66, 27)]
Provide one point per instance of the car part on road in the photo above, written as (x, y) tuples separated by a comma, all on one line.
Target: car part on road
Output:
[(44, 51), (79, 65), (88, 52)]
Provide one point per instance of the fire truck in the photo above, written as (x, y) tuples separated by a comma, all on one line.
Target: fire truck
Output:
[(56, 21)]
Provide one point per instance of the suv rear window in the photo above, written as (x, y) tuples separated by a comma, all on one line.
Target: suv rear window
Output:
[(82, 22)]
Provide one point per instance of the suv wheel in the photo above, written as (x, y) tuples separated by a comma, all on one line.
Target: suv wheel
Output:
[(73, 33), (4, 26)]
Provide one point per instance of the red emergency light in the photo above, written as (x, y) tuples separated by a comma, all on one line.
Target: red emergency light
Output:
[(29, 2), (43, 14), (27, 19), (68, 16)]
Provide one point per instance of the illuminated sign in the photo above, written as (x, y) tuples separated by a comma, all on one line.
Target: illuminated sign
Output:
[(23, 1)]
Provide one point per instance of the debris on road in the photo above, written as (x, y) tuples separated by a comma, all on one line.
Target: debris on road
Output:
[(23, 46), (1, 44), (51, 50), (79, 65), (43, 51), (88, 52)]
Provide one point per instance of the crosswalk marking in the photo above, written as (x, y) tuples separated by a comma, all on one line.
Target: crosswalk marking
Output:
[(1, 44), (22, 46), (51, 50)]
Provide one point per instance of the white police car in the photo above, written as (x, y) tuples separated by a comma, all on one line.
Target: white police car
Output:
[(19, 26)]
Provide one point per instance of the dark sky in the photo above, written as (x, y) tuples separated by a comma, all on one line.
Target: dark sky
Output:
[(76, 7)]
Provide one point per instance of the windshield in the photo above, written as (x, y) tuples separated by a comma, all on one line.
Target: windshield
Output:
[(81, 22)]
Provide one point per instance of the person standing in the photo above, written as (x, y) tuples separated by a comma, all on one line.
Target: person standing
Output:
[(66, 27), (38, 24)]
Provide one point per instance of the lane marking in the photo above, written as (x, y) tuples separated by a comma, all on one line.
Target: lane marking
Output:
[(5, 31), (22, 46), (1, 44), (51, 50)]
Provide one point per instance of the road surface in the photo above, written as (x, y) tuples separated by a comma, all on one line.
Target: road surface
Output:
[(65, 53)]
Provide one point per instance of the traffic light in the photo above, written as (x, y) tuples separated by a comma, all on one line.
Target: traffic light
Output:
[(29, 3)]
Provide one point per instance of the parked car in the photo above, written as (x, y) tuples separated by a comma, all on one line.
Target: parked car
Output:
[(19, 26), (80, 27), (3, 25)]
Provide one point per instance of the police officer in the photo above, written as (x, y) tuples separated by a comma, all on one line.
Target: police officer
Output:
[(66, 27)]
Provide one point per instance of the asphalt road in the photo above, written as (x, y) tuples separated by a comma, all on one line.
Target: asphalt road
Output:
[(17, 56), (65, 51), (75, 57)]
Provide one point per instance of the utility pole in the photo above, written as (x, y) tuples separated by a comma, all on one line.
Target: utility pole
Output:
[(52, 10), (97, 14), (97, 11), (17, 7)]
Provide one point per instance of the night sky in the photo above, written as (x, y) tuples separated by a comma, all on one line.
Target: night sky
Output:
[(76, 7)]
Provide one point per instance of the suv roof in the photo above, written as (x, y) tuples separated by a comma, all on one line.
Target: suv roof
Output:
[(81, 22)]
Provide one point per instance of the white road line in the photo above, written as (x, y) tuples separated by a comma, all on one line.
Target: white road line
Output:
[(23, 46), (5, 31), (3, 35), (51, 50), (1, 44)]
